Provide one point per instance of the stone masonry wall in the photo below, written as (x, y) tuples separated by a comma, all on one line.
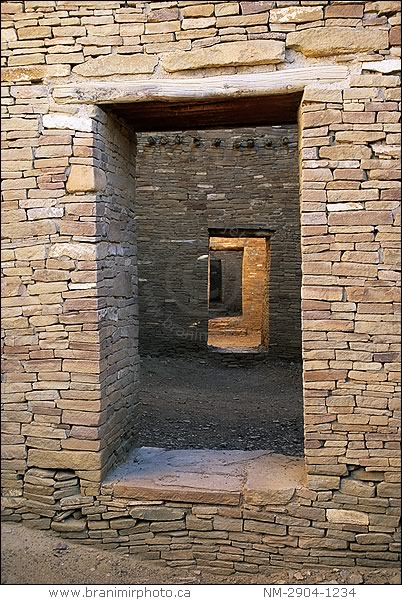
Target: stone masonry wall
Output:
[(69, 341), (220, 532), (77, 322), (187, 183), (117, 286)]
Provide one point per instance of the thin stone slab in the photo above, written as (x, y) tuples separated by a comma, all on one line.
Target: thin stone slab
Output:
[(273, 479), (205, 476)]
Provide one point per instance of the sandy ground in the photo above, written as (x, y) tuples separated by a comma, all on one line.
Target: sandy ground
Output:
[(38, 557), (197, 403)]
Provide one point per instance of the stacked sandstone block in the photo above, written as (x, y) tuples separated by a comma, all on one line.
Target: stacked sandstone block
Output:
[(350, 296), (121, 37), (223, 532), (62, 314), (69, 305)]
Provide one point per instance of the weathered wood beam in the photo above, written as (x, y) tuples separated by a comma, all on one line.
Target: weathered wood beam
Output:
[(199, 89)]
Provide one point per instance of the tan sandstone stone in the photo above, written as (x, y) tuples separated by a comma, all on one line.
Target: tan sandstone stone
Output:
[(340, 40), (198, 23), (258, 52), (296, 14), (157, 513), (199, 10), (64, 459), (116, 64), (389, 490), (69, 525), (272, 480), (352, 517), (33, 73), (385, 8), (345, 152), (8, 35), (73, 250), (227, 8), (362, 489), (11, 286), (84, 178), (28, 229), (31, 33)]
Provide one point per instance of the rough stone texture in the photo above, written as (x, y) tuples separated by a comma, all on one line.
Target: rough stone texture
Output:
[(69, 525), (116, 65), (70, 309), (83, 178), (259, 52), (296, 14), (272, 480), (385, 7), (342, 40), (251, 8), (84, 461), (347, 516), (158, 513), (63, 121), (117, 291), (33, 73)]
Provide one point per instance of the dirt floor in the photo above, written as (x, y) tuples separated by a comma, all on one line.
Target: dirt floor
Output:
[(201, 403), (38, 557)]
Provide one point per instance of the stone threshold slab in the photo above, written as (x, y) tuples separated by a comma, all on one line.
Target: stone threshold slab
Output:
[(206, 476)]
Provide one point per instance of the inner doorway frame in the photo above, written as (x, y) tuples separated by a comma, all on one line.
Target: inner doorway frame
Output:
[(247, 232)]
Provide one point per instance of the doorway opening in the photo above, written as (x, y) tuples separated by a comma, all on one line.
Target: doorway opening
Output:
[(219, 271), (225, 282), (239, 282)]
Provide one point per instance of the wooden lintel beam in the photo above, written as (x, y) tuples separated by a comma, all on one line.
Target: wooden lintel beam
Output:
[(286, 81)]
